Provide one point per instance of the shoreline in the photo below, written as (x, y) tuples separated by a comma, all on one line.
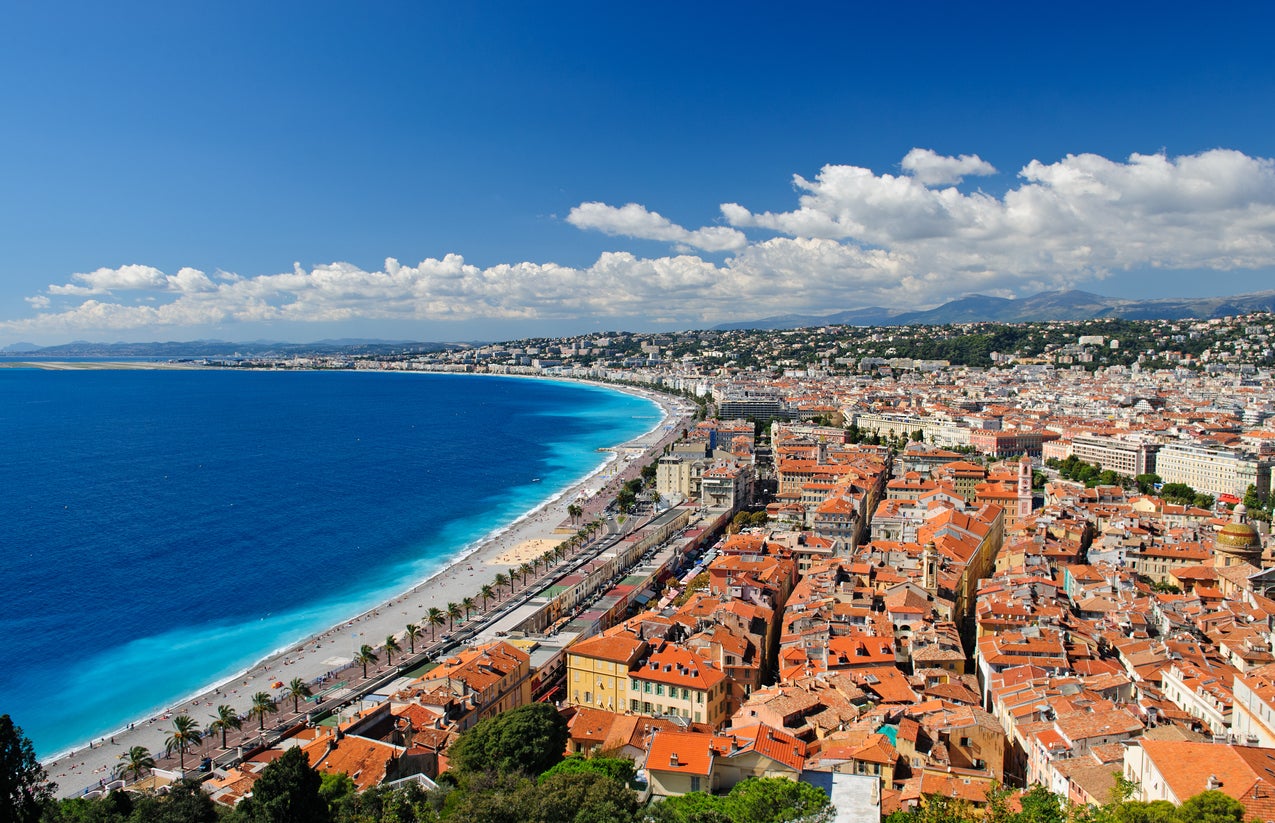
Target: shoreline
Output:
[(321, 658)]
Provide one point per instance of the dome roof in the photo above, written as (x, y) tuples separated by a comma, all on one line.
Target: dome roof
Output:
[(1239, 536)]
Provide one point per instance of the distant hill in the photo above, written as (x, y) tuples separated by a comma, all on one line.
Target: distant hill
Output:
[(222, 348), (1050, 305)]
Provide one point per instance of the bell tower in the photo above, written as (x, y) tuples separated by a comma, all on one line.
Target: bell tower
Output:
[(1024, 487)]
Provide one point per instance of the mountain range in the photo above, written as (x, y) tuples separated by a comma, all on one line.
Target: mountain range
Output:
[(223, 348), (1045, 306)]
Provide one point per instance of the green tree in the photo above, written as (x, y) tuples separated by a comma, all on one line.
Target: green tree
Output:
[(529, 739), (185, 734), (412, 632), (468, 604), (492, 798), (1040, 805), (225, 720), (1179, 493), (1136, 811), (365, 656), (583, 797), (768, 799), (262, 705), (696, 807), (454, 613), (1211, 807), (298, 690), (184, 803), (134, 763), (488, 593), (500, 581), (1147, 482), (616, 768), (287, 792), (391, 646), (116, 807), (435, 617), (334, 787)]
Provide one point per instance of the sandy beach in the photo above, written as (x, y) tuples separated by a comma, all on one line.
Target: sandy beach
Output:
[(327, 656)]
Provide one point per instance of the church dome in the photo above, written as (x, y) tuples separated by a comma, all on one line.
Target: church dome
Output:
[(1239, 537)]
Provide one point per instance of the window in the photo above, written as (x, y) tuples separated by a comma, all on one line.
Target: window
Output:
[(586, 697), (659, 688), (694, 784), (646, 687), (699, 697)]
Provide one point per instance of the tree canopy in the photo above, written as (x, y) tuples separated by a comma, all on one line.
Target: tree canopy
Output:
[(24, 787), (286, 792), (529, 739), (755, 800)]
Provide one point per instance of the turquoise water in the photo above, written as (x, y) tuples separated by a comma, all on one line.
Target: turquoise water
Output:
[(160, 531)]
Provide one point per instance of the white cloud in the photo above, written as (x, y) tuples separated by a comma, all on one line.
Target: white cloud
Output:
[(854, 238), (930, 168), (632, 220)]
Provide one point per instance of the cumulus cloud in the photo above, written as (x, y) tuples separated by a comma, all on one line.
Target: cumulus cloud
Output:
[(853, 238), (930, 168), (633, 220), (133, 278)]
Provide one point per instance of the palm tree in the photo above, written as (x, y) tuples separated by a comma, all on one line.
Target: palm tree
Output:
[(297, 690), (365, 656), (413, 632), (453, 612), (435, 618), (136, 761), (548, 557), (262, 705), (486, 593), (391, 646), (526, 569), (575, 511), (501, 581), (225, 720), (185, 733), (468, 604)]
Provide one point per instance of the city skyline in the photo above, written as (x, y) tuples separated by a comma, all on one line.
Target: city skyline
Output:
[(299, 172)]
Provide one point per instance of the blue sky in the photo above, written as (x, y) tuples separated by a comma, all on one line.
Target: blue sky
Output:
[(492, 170)]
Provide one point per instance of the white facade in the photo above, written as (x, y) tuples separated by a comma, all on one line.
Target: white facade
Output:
[(1253, 720), (1212, 471)]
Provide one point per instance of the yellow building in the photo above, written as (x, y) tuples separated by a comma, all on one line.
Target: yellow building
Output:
[(598, 669), (675, 681)]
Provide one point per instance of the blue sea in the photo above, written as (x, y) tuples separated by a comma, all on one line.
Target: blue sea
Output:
[(161, 531)]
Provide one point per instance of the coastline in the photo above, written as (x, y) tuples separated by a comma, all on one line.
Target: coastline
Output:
[(331, 651)]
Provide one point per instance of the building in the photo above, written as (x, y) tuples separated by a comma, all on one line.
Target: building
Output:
[(598, 669), (677, 682), (1128, 456), (1213, 471)]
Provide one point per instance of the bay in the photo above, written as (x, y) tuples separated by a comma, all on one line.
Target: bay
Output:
[(161, 530)]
